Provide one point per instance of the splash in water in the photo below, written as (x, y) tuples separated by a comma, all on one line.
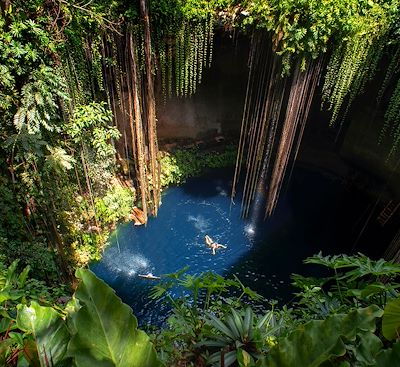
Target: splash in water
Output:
[(200, 223), (126, 263)]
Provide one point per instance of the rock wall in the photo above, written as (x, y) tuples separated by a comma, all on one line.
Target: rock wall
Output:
[(217, 105)]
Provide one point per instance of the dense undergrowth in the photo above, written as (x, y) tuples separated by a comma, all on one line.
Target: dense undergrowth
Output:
[(181, 164), (351, 317)]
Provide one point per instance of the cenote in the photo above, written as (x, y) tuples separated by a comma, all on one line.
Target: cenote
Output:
[(270, 126), (316, 213)]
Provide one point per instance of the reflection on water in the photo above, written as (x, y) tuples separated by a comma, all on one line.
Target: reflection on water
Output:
[(309, 217)]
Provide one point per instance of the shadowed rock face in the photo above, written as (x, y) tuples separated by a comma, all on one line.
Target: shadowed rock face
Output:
[(217, 105)]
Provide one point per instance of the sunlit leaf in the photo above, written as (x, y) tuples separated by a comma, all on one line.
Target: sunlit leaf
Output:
[(48, 329), (391, 320), (106, 329)]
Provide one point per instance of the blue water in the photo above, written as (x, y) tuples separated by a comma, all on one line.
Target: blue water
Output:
[(315, 213)]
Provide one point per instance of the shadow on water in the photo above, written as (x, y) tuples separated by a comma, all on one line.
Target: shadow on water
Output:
[(316, 213)]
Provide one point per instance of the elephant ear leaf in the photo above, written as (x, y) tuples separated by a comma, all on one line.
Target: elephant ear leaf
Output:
[(391, 319), (318, 341), (49, 330), (389, 357), (106, 330)]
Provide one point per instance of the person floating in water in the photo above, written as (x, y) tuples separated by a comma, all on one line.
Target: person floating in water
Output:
[(149, 276), (212, 245)]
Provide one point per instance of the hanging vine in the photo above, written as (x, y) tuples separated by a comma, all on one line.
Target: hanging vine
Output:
[(188, 41), (351, 65), (273, 121), (392, 117)]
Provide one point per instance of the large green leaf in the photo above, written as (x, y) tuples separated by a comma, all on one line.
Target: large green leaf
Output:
[(389, 357), (317, 341), (391, 319), (49, 330), (365, 348), (106, 329)]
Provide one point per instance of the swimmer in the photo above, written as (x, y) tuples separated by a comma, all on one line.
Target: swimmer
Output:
[(213, 245), (149, 276)]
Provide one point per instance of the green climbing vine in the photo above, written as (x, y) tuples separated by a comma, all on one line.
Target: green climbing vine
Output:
[(350, 67), (392, 117), (184, 32), (355, 60), (354, 34)]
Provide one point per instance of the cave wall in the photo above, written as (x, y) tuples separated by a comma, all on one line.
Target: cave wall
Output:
[(362, 145), (216, 107)]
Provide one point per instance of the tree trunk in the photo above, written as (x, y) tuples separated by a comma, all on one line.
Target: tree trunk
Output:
[(141, 162), (151, 110)]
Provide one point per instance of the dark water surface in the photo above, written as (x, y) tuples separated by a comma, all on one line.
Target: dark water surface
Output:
[(317, 212)]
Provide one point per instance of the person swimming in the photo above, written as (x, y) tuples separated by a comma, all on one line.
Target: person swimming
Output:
[(213, 245), (149, 276)]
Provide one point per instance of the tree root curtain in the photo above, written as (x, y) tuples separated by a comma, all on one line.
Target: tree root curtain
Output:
[(274, 117), (130, 89)]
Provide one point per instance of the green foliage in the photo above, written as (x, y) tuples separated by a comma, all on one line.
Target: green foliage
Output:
[(336, 320), (392, 118), (184, 33), (58, 160), (16, 241), (98, 324), (242, 336), (305, 28), (212, 319), (12, 283), (352, 64), (389, 357), (356, 282), (16, 288), (87, 332), (176, 167), (391, 320), (38, 105), (211, 313), (117, 204), (91, 125), (38, 190), (49, 332), (318, 342), (88, 247)]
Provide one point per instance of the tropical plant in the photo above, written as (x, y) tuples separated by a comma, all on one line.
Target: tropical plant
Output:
[(115, 205), (181, 164), (342, 339), (38, 105), (357, 281), (391, 320), (87, 332), (242, 336), (17, 289), (335, 319)]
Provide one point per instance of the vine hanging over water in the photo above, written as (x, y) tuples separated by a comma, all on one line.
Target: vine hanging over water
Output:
[(392, 117), (273, 121), (184, 36), (351, 65)]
